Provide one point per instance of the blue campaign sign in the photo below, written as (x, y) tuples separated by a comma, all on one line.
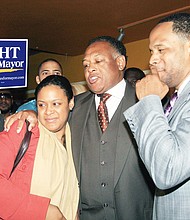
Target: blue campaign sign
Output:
[(13, 63)]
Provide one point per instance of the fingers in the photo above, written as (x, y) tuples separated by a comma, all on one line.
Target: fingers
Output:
[(11, 119), (32, 118), (150, 85), (21, 116)]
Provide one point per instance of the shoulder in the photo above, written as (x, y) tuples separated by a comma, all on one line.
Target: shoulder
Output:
[(31, 105), (83, 96), (12, 136)]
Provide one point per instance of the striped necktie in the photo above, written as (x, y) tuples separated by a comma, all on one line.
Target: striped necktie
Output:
[(170, 104)]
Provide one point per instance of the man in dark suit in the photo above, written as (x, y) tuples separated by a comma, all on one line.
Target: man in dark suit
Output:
[(114, 184)]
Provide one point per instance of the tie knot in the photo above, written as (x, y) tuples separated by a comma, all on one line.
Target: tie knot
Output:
[(104, 97)]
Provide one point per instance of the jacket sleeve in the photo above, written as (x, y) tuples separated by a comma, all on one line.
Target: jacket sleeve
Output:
[(164, 147), (15, 203)]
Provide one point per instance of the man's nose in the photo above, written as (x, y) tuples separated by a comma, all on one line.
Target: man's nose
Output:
[(154, 59), (91, 67)]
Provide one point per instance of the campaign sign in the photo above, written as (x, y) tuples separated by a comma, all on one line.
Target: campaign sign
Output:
[(13, 63)]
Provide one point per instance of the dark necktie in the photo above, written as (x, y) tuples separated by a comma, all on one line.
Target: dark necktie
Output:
[(103, 111), (170, 104)]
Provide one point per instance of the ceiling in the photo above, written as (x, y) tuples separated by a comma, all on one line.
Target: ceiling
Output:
[(65, 26)]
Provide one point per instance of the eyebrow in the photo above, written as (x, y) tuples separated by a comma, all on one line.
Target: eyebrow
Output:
[(96, 55), (49, 70)]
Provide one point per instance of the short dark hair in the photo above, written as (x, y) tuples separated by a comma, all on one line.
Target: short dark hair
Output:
[(181, 23), (138, 72), (116, 44), (56, 80), (49, 60)]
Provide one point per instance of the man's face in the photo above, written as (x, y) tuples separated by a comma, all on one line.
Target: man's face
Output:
[(170, 55), (48, 68), (103, 67), (5, 101)]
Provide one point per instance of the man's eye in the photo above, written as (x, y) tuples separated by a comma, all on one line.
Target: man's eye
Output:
[(98, 61), (85, 65), (57, 73), (161, 50), (45, 73)]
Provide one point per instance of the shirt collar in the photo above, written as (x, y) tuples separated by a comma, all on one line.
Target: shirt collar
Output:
[(183, 85), (118, 90)]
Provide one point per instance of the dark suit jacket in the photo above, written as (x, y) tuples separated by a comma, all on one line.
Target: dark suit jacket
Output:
[(133, 188)]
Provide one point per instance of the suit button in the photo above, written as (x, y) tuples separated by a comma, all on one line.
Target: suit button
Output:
[(103, 184), (103, 142), (102, 163), (23, 167), (106, 205)]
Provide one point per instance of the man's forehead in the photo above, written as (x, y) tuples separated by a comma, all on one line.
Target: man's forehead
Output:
[(97, 49), (50, 64)]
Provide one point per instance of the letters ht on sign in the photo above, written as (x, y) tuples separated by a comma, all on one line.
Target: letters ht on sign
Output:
[(9, 52)]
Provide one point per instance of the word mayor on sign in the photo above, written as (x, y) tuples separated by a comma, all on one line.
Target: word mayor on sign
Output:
[(10, 52)]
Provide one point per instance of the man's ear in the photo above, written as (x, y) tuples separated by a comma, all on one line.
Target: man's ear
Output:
[(71, 104), (37, 79), (121, 62)]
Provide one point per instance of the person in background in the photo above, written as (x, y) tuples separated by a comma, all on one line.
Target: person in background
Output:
[(133, 74), (78, 88), (114, 184), (6, 106), (163, 135), (44, 184), (47, 67)]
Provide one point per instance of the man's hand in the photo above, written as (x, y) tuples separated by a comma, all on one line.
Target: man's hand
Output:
[(151, 85), (53, 213), (28, 115)]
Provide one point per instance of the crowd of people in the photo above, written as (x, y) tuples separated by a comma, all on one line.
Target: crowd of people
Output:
[(113, 152)]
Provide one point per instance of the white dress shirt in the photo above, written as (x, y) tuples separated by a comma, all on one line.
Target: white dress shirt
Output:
[(117, 93)]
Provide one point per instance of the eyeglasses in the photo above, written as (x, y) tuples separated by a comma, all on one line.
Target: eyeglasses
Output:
[(5, 96)]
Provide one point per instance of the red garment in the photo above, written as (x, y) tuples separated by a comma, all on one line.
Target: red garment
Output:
[(16, 202)]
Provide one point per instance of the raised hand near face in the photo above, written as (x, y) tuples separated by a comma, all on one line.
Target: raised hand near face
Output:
[(151, 85)]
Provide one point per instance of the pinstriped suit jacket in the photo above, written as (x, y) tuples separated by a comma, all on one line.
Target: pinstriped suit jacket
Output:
[(164, 146)]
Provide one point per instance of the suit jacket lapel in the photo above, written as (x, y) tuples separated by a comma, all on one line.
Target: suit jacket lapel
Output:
[(184, 97), (78, 128), (124, 137)]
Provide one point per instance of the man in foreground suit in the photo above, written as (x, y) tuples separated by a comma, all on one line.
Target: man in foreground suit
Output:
[(163, 140), (114, 184), (113, 181)]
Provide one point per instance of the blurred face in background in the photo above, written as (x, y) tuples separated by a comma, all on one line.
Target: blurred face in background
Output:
[(6, 101), (48, 68)]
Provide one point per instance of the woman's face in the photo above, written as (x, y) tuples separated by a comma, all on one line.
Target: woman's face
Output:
[(53, 108)]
